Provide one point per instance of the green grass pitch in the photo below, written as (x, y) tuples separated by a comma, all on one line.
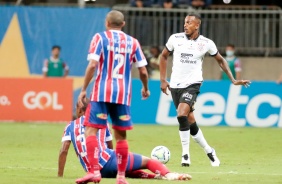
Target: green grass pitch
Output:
[(28, 154)]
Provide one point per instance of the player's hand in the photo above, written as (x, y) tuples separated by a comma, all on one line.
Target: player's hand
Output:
[(81, 98), (145, 93), (164, 87), (245, 83)]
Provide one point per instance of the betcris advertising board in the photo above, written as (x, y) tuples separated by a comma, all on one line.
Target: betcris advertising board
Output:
[(220, 103)]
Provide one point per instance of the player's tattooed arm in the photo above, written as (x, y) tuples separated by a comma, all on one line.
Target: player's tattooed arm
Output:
[(163, 67), (224, 66), (63, 157)]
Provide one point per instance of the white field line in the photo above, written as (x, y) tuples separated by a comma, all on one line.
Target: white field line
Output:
[(230, 172), (240, 173)]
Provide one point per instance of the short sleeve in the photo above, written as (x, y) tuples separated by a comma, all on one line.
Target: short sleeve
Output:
[(238, 67), (95, 49), (212, 48), (67, 133), (108, 134), (169, 44), (139, 57)]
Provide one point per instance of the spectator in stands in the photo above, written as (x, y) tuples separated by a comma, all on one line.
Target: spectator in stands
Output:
[(195, 3), (55, 66), (141, 3), (233, 62), (154, 62)]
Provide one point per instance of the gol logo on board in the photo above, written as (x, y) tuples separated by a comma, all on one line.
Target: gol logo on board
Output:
[(41, 100)]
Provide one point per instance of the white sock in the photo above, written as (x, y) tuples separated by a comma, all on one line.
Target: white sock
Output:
[(200, 139), (185, 141)]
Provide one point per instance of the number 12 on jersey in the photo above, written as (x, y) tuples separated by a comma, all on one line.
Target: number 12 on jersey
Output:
[(120, 59)]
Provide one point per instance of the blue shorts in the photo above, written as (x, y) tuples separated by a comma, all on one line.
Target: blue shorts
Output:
[(110, 169), (96, 115)]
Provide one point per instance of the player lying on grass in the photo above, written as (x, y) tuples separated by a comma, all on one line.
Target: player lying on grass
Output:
[(74, 133)]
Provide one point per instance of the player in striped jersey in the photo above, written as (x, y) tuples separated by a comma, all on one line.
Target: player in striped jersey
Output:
[(74, 133), (111, 54)]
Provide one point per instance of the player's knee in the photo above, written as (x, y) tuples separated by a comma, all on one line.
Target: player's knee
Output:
[(120, 135), (183, 123), (183, 109), (89, 131)]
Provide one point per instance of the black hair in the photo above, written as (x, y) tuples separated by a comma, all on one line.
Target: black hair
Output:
[(196, 15), (156, 47), (85, 104), (56, 47), (230, 45)]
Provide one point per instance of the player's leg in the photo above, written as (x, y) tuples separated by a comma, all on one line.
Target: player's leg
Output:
[(184, 129), (199, 138), (120, 115), (95, 118), (138, 162)]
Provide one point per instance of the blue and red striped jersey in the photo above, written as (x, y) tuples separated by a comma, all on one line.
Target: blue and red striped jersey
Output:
[(115, 53), (74, 132)]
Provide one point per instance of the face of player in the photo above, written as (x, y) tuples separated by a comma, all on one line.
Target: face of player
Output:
[(191, 25), (79, 111), (229, 51), (154, 52), (56, 52)]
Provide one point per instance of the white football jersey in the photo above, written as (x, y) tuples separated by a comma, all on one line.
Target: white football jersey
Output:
[(188, 56)]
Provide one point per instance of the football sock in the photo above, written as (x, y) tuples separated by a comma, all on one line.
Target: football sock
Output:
[(93, 153), (185, 141), (157, 167), (122, 156), (200, 139), (140, 174)]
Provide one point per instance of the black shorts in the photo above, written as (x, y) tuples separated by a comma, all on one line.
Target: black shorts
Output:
[(185, 95)]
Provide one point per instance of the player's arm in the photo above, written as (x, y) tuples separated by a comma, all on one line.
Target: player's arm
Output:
[(143, 75), (94, 54), (141, 62), (163, 67), (224, 66), (110, 144), (45, 68), (89, 73), (63, 157), (66, 68)]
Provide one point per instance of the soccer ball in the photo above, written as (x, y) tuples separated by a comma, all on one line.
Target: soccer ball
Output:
[(161, 153)]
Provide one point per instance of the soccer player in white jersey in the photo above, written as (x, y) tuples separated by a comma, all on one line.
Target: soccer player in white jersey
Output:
[(189, 49)]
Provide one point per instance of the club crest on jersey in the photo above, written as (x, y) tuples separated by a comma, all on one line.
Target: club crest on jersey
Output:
[(102, 116), (201, 46), (124, 117)]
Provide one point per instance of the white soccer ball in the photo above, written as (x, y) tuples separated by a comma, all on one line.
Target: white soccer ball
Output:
[(161, 153), (226, 1)]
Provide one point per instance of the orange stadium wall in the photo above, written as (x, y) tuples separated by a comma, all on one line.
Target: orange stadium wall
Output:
[(31, 99)]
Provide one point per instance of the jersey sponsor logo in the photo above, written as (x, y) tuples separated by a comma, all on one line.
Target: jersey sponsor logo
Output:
[(124, 117), (102, 116), (185, 58), (187, 96), (41, 100), (4, 101), (179, 36)]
